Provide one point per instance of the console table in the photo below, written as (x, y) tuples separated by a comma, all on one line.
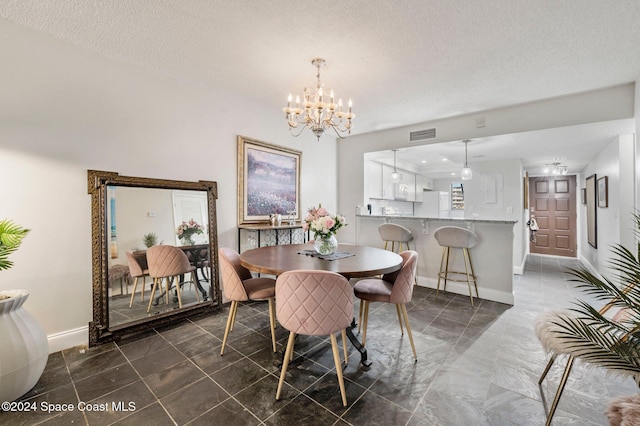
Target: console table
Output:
[(272, 235)]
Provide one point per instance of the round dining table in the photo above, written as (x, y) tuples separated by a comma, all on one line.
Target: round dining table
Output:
[(358, 262), (362, 261)]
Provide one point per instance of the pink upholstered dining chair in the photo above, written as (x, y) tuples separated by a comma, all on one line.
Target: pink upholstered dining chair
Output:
[(240, 286), (138, 268), (314, 303), (396, 288), (167, 262)]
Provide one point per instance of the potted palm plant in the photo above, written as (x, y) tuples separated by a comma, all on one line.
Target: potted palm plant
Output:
[(24, 350), (610, 342)]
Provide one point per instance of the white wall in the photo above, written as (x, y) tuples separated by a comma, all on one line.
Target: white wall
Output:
[(65, 110), (614, 224)]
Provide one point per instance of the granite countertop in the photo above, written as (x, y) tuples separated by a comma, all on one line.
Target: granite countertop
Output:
[(448, 219)]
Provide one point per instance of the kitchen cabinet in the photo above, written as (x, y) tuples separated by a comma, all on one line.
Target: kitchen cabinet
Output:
[(380, 186), (388, 189), (423, 183), (374, 180)]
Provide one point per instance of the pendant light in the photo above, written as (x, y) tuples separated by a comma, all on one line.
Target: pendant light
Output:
[(466, 173), (395, 176)]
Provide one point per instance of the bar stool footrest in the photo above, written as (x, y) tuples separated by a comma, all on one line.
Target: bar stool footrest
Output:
[(463, 276)]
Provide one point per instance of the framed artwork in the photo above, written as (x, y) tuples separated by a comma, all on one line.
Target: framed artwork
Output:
[(268, 181), (592, 224), (583, 195), (603, 192)]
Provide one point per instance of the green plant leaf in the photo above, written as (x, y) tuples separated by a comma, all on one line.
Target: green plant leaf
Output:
[(11, 236)]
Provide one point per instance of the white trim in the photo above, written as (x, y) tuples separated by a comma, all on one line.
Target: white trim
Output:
[(463, 289), (68, 339), (519, 269)]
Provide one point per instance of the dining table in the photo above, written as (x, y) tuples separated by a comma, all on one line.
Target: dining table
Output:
[(350, 261)]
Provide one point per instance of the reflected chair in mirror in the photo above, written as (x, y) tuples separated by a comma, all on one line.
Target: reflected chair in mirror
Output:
[(240, 286), (454, 237), (138, 268), (314, 303), (396, 288), (168, 263)]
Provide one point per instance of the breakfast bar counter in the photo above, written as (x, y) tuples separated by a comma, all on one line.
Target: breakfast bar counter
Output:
[(492, 256)]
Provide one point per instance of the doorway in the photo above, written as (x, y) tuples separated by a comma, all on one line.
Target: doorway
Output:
[(552, 203)]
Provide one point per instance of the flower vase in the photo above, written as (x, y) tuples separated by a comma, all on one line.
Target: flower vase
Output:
[(24, 350), (325, 244), (188, 241)]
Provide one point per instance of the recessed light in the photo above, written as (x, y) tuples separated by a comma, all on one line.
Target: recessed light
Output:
[(453, 174), (444, 159), (424, 161)]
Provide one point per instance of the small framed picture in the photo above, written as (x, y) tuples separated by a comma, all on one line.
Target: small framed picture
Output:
[(583, 195), (603, 192)]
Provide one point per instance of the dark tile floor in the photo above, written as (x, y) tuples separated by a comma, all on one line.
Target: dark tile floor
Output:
[(476, 366)]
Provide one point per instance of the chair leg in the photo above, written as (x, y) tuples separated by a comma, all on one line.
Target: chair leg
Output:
[(446, 268), (406, 323), (441, 270), (285, 362), (399, 319), (133, 293), (272, 312), (233, 321), (360, 315), (230, 319), (473, 274), (365, 320), (465, 256), (336, 359), (547, 368), (344, 346), (179, 291), (153, 292), (563, 382)]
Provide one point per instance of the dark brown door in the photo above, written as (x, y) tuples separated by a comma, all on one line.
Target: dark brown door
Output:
[(552, 202)]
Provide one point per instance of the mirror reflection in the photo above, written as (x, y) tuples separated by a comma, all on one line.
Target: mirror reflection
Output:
[(140, 218)]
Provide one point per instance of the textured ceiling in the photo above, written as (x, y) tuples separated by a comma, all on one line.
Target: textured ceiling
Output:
[(401, 62)]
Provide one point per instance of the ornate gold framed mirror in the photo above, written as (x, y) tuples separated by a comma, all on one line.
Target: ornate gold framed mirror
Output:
[(131, 214)]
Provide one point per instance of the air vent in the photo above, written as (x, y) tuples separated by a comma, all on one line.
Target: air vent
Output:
[(421, 135)]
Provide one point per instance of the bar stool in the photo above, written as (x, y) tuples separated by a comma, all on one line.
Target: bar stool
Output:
[(391, 232), (449, 237)]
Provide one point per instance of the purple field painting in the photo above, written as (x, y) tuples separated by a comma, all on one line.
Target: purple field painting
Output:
[(271, 183)]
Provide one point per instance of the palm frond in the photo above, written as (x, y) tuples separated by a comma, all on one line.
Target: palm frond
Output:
[(11, 236), (590, 334)]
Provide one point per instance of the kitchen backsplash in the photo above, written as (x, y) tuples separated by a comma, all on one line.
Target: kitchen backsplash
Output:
[(390, 207)]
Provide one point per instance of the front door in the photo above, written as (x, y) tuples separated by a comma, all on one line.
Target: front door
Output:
[(552, 203)]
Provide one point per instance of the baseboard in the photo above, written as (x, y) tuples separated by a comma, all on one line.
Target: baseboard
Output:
[(590, 267), (68, 339), (461, 288), (519, 269)]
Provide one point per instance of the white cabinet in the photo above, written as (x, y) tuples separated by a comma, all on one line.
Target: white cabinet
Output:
[(374, 180), (379, 184), (423, 183), (388, 189)]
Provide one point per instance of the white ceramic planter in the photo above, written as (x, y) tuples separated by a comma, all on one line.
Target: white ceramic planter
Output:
[(24, 348)]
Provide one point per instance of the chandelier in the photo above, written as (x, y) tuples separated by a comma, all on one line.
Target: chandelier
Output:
[(556, 169), (317, 112)]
